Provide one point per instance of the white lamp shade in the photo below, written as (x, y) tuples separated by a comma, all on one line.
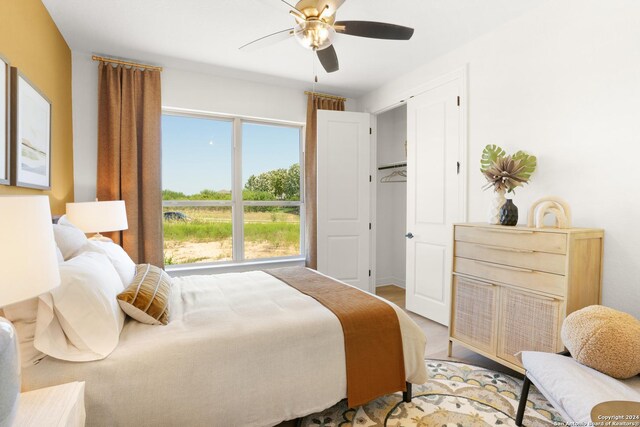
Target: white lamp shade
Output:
[(98, 217), (28, 261)]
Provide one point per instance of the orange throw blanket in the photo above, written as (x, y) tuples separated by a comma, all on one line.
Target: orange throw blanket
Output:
[(372, 338)]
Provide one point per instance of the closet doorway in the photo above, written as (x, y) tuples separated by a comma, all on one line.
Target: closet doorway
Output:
[(421, 161), (391, 197)]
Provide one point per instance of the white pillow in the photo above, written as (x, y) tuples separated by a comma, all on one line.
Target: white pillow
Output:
[(123, 264), (59, 255), (68, 238), (23, 316), (81, 320)]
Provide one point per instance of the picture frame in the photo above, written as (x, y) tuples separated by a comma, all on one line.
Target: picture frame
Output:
[(5, 145), (30, 134)]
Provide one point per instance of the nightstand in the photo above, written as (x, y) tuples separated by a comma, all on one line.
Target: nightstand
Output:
[(59, 406)]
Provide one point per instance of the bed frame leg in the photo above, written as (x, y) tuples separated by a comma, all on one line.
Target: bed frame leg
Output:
[(523, 400), (406, 395)]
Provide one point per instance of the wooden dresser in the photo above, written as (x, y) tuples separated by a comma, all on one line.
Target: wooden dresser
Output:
[(513, 286)]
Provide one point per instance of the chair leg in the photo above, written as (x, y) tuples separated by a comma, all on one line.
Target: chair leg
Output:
[(523, 400), (406, 395)]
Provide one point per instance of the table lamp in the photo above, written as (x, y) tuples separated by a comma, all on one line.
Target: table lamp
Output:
[(28, 268), (98, 217)]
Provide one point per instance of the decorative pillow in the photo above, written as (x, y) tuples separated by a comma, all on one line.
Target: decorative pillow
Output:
[(604, 339), (23, 316), (123, 264), (68, 238), (147, 298), (80, 320)]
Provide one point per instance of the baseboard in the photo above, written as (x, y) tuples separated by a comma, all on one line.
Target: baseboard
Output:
[(385, 281), (382, 281), (399, 282)]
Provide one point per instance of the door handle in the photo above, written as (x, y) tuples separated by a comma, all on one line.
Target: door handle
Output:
[(409, 235)]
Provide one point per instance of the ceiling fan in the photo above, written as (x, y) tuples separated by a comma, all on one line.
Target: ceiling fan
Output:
[(316, 26)]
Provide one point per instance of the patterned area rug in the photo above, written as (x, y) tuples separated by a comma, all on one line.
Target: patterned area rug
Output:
[(456, 395)]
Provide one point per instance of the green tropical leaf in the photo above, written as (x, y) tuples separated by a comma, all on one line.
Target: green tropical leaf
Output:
[(490, 155), (528, 165)]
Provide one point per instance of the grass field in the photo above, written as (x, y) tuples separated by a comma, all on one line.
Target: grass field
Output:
[(206, 235)]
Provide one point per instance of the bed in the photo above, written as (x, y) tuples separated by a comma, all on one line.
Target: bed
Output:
[(241, 349)]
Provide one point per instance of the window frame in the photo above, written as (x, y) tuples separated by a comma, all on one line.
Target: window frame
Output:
[(237, 203)]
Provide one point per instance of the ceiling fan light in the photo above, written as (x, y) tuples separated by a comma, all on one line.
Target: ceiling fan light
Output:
[(314, 34)]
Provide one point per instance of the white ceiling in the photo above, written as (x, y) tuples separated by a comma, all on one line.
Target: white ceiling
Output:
[(206, 34)]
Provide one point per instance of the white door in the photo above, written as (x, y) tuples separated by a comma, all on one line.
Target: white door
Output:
[(434, 196), (343, 196)]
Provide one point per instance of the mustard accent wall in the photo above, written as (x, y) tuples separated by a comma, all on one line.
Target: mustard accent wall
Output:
[(31, 41)]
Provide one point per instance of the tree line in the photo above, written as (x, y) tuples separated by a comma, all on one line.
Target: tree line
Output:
[(276, 184)]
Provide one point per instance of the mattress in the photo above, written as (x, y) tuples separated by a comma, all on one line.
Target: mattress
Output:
[(241, 349)]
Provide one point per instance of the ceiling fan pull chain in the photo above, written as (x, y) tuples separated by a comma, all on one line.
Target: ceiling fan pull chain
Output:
[(315, 71)]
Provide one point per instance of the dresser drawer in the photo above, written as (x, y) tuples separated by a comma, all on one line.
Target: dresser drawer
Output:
[(525, 278), (524, 258), (513, 238)]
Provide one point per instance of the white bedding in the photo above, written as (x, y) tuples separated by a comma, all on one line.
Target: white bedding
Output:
[(242, 349)]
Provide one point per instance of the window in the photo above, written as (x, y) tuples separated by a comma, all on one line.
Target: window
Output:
[(231, 189)]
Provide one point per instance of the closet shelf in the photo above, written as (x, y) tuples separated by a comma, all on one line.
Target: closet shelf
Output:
[(392, 165)]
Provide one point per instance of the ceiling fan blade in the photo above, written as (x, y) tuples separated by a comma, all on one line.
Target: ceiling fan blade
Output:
[(329, 59), (268, 40), (374, 30)]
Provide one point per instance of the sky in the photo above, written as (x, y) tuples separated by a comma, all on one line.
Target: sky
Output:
[(197, 153)]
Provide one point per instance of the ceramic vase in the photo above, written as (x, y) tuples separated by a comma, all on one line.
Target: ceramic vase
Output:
[(509, 213), (496, 203)]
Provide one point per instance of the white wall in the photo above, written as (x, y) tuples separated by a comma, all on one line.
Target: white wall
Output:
[(180, 89), (391, 199), (84, 85), (562, 82)]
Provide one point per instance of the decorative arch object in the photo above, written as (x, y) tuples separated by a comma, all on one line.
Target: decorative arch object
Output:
[(550, 205)]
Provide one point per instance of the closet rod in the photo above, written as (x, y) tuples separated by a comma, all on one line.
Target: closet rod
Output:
[(393, 166)]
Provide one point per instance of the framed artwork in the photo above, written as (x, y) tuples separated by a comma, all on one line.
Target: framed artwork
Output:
[(4, 122), (30, 134)]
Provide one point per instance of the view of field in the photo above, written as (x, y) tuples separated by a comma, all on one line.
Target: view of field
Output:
[(195, 234), (198, 175), (206, 234)]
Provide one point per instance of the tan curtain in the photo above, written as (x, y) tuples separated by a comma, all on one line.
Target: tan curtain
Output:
[(129, 150), (314, 103)]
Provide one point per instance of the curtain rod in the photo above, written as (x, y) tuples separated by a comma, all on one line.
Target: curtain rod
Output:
[(325, 95), (131, 64)]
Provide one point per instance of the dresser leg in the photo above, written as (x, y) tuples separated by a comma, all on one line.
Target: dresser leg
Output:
[(450, 349)]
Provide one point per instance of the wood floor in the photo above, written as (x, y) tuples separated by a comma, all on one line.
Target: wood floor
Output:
[(437, 339)]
